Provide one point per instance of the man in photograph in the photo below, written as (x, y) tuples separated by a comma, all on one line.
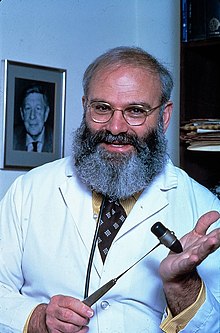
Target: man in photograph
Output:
[(34, 135)]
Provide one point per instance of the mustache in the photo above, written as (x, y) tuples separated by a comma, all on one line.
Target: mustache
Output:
[(121, 138)]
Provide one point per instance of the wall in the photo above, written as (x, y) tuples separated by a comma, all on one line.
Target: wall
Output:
[(70, 34)]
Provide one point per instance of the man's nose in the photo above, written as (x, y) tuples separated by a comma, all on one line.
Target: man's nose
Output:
[(117, 124), (32, 113)]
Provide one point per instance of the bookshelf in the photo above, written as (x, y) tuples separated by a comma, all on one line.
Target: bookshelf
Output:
[(200, 99)]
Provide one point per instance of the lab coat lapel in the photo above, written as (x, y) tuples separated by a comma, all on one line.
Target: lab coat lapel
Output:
[(79, 201), (146, 206)]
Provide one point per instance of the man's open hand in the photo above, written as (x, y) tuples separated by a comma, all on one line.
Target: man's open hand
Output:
[(178, 271)]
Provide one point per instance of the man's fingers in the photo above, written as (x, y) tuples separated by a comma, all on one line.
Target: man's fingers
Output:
[(205, 221), (67, 314), (70, 303)]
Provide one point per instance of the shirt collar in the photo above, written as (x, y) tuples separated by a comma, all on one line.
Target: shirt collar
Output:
[(126, 203), (40, 138)]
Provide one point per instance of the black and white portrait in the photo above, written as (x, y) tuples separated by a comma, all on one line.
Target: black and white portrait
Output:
[(33, 116), (34, 113)]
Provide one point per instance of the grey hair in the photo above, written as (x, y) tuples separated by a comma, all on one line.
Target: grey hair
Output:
[(38, 89), (131, 56)]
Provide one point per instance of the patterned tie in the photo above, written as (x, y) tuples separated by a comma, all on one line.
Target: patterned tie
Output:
[(34, 143), (112, 218)]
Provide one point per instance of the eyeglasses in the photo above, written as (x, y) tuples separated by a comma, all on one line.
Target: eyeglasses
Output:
[(134, 114)]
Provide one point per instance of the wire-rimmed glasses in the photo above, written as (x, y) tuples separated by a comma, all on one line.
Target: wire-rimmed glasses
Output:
[(134, 114)]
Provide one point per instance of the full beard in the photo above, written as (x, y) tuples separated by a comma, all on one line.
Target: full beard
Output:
[(118, 175)]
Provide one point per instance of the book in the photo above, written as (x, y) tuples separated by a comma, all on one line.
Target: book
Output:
[(196, 19), (200, 19), (184, 20), (213, 18)]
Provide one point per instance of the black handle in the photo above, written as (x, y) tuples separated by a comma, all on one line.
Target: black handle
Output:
[(166, 237)]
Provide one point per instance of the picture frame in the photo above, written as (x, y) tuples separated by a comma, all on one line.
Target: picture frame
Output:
[(34, 109)]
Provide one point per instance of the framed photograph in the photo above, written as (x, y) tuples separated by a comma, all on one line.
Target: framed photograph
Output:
[(34, 110)]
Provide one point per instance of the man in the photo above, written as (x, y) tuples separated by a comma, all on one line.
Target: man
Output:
[(34, 135), (50, 259)]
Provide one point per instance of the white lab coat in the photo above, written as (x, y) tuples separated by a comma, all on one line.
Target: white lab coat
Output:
[(46, 232)]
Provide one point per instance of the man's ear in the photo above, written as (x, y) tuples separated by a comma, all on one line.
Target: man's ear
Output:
[(84, 102), (167, 114)]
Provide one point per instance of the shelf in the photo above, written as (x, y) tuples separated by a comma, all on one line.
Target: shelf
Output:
[(201, 43), (200, 98)]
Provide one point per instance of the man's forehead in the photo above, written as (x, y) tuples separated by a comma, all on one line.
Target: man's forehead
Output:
[(122, 69), (34, 96), (126, 81)]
